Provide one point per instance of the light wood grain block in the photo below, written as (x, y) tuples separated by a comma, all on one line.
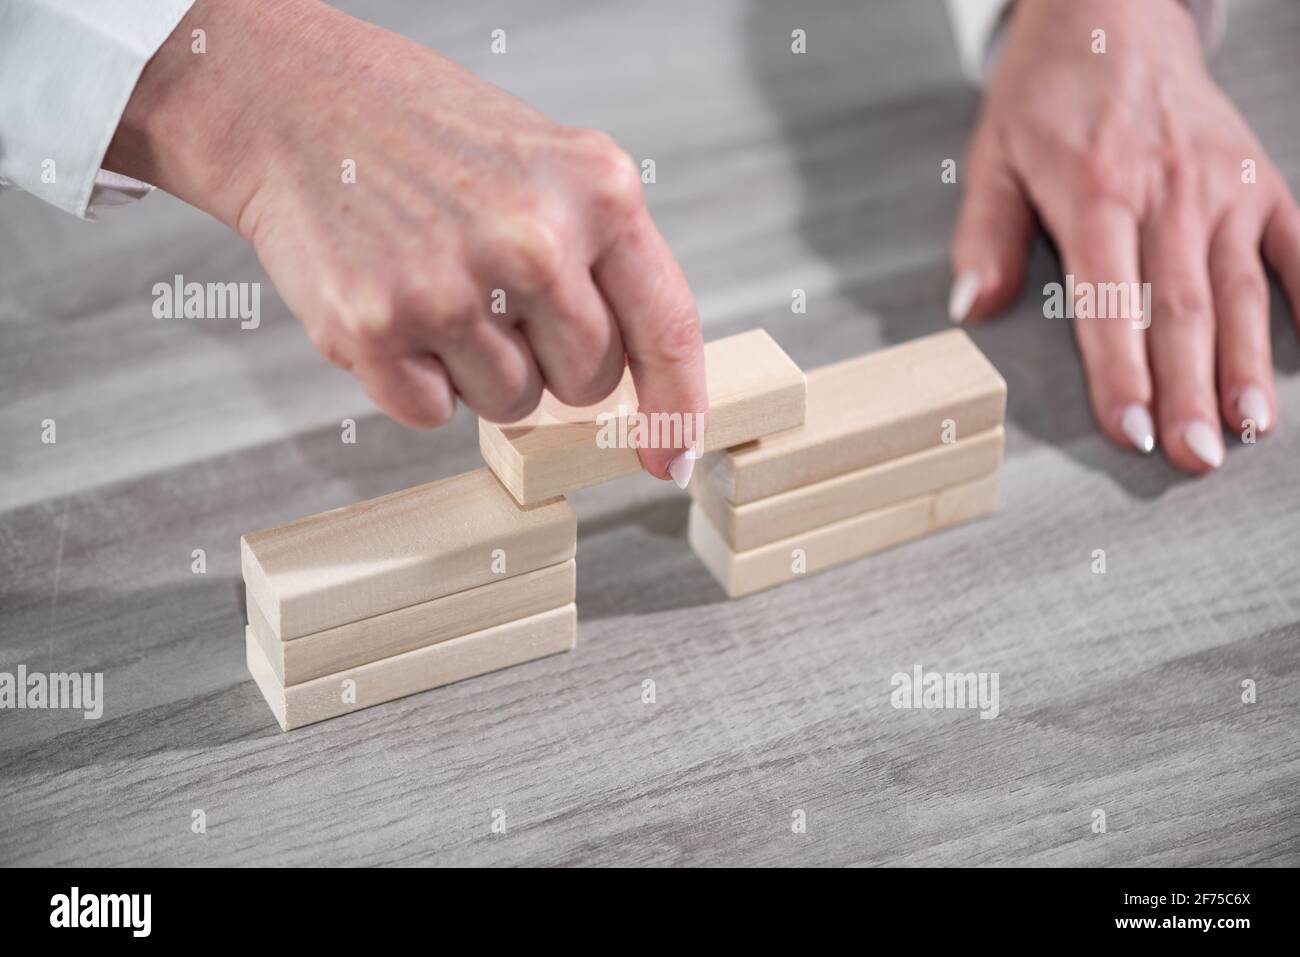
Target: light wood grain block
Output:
[(402, 549), (742, 573), (403, 630), (432, 666), (754, 390), (779, 516), (868, 410)]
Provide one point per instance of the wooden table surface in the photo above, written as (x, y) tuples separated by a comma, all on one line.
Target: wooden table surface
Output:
[(1118, 691)]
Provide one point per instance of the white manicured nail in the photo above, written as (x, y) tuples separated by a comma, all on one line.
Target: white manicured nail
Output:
[(1137, 425), (1253, 405), (681, 468), (1205, 442), (962, 297)]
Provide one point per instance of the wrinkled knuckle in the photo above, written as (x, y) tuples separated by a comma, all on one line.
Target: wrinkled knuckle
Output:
[(678, 338), (612, 175), (1181, 169), (1182, 304), (375, 329), (1245, 287), (1101, 178), (444, 316), (370, 321), (531, 254), (417, 299), (326, 336), (598, 150)]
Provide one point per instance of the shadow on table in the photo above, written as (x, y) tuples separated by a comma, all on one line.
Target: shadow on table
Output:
[(199, 723), (178, 646), (181, 645), (636, 561)]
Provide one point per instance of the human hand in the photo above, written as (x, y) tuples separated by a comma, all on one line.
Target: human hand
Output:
[(1138, 166), (483, 251)]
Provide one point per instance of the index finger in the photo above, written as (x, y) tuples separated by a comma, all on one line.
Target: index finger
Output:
[(660, 325)]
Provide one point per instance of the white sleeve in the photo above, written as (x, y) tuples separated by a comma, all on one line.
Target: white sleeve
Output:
[(977, 28), (974, 25), (67, 70)]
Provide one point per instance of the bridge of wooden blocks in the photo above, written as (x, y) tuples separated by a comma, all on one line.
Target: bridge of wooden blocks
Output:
[(446, 581)]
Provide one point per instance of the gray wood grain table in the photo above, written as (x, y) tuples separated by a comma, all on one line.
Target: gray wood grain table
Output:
[(1118, 691)]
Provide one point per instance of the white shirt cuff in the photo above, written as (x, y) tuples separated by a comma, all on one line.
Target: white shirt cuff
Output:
[(975, 27), (67, 70), (978, 29)]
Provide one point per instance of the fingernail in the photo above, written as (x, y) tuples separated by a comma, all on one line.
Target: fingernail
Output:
[(1253, 405), (963, 294), (681, 468), (1205, 442), (1137, 425)]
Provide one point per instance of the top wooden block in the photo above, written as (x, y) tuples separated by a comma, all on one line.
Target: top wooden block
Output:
[(868, 410), (754, 390), (387, 553)]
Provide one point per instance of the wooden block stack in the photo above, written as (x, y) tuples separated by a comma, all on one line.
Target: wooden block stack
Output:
[(896, 444), (364, 604), (421, 588)]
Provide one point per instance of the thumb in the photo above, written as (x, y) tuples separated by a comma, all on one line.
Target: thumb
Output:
[(990, 245), (660, 325)]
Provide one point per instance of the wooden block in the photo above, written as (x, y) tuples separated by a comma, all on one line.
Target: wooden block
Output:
[(405, 629), (801, 509), (420, 670), (741, 573), (409, 547), (754, 390), (868, 410)]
